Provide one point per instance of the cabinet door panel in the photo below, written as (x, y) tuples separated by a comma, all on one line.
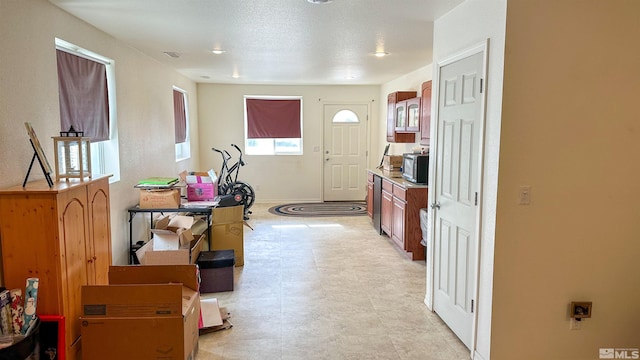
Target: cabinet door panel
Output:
[(100, 240), (398, 223), (413, 114), (425, 113), (73, 216)]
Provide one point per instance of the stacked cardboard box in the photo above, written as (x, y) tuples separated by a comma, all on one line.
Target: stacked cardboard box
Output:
[(227, 231), (146, 312)]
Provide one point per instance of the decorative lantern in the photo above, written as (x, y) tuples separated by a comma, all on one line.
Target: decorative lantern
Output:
[(72, 154)]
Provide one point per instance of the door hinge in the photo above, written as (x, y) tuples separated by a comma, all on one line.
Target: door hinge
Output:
[(476, 198), (471, 305), (481, 85)]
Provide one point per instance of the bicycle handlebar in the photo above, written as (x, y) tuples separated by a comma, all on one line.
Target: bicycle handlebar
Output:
[(242, 163)]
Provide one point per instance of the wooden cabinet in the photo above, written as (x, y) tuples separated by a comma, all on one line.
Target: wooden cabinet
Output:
[(397, 227), (408, 115), (386, 207), (61, 235), (406, 231), (392, 100), (400, 214), (425, 113)]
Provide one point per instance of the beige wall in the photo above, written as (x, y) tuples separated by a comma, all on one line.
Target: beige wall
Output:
[(274, 178), (570, 131), (28, 92)]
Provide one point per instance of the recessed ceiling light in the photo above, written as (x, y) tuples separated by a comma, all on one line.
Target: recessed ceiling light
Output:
[(319, 1), (172, 54), (218, 51), (381, 53), (235, 76)]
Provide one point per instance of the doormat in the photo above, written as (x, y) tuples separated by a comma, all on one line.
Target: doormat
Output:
[(321, 209)]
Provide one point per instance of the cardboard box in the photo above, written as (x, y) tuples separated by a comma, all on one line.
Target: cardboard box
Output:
[(146, 312), (227, 231), (392, 162), (201, 187), (159, 198), (148, 256), (173, 243)]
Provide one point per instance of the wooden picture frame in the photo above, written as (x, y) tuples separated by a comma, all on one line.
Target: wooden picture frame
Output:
[(38, 148), (38, 153)]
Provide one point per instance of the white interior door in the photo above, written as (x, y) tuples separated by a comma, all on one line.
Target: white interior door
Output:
[(457, 183), (345, 152)]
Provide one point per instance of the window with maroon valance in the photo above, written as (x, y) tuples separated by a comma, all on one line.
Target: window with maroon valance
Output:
[(273, 118), (179, 116), (84, 99)]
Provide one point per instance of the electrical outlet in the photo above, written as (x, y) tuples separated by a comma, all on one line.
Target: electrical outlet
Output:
[(575, 324), (525, 195)]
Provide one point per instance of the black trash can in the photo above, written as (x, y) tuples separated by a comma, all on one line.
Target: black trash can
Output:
[(24, 348)]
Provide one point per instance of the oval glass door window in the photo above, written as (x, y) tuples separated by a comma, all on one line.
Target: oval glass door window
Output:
[(345, 116)]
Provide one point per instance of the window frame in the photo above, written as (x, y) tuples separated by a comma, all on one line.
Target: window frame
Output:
[(183, 149), (105, 155), (251, 150)]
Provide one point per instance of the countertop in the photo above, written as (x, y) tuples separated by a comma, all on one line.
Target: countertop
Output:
[(396, 179)]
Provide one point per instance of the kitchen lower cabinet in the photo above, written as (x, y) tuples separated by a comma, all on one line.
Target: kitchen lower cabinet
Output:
[(61, 235), (370, 195), (386, 207), (400, 214)]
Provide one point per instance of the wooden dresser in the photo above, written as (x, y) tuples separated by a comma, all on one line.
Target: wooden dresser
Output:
[(61, 235)]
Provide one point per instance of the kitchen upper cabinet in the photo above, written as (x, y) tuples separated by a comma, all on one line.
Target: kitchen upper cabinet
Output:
[(408, 115), (392, 101), (425, 113)]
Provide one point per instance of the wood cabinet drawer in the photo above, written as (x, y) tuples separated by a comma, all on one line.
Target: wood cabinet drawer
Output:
[(400, 192), (387, 186), (369, 176)]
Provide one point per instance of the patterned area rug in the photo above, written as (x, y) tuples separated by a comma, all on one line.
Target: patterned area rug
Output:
[(321, 209)]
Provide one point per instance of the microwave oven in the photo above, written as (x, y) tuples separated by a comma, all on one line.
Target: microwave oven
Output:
[(415, 167)]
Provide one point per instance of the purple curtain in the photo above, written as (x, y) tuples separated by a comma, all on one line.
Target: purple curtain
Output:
[(180, 117), (84, 100), (273, 119)]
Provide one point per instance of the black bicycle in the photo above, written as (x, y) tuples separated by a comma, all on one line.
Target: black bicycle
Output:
[(228, 183)]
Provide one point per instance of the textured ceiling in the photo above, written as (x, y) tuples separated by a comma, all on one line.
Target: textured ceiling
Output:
[(274, 41)]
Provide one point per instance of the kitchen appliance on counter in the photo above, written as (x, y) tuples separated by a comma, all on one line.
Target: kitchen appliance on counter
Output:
[(415, 167)]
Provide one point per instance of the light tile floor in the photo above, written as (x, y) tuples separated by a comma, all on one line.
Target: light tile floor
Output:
[(326, 288)]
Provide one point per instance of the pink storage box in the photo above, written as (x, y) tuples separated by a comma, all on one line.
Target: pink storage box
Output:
[(201, 188)]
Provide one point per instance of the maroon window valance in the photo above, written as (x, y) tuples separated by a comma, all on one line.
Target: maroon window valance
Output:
[(180, 117), (273, 118), (84, 99)]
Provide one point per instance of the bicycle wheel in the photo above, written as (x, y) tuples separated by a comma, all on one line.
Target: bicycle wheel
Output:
[(244, 189)]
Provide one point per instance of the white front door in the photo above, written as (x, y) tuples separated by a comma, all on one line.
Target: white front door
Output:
[(455, 199), (345, 152)]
